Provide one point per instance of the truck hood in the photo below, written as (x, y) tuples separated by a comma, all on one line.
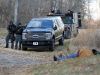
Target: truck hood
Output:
[(40, 30)]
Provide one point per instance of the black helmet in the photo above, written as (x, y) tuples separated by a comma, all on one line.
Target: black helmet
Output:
[(52, 10), (11, 21), (68, 9), (19, 24)]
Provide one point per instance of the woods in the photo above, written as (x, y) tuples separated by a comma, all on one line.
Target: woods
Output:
[(28, 9)]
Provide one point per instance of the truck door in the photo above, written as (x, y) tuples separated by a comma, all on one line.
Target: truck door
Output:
[(57, 30), (60, 26)]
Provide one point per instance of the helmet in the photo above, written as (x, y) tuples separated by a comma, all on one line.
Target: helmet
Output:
[(52, 10), (19, 24), (11, 21), (68, 9)]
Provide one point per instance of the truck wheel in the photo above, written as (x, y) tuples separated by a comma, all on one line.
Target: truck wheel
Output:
[(52, 46), (23, 48), (67, 34), (77, 31), (61, 41)]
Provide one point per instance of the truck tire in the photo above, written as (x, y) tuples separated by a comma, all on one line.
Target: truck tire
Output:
[(52, 46), (77, 31), (23, 48), (67, 34), (61, 41)]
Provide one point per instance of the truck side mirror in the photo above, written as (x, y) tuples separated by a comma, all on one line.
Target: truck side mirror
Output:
[(55, 28), (73, 21)]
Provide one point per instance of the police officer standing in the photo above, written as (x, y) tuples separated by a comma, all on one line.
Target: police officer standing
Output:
[(11, 27), (19, 30)]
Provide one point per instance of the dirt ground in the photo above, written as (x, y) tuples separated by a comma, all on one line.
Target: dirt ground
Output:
[(14, 61)]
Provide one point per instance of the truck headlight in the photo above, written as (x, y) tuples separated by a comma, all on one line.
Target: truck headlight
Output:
[(24, 36), (48, 36)]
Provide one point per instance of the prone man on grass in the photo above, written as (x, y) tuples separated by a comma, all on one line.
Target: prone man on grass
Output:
[(80, 53)]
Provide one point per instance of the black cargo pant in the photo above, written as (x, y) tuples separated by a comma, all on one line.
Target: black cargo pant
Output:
[(18, 39), (10, 37)]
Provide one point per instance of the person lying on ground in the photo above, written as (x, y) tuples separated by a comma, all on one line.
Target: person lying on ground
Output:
[(80, 53)]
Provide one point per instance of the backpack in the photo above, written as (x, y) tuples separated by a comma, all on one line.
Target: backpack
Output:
[(13, 28)]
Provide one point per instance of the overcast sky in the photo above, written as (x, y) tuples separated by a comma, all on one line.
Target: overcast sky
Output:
[(95, 9)]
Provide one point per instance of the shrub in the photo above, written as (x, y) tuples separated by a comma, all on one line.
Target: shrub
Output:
[(88, 37)]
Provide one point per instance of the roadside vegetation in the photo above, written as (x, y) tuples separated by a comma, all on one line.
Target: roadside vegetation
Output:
[(3, 32), (88, 38)]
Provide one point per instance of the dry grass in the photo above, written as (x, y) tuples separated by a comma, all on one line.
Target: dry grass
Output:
[(79, 66), (88, 37), (3, 32)]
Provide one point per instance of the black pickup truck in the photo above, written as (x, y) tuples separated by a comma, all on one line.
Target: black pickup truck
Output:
[(43, 33)]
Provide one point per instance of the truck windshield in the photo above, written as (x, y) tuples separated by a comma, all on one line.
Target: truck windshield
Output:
[(40, 23), (66, 20)]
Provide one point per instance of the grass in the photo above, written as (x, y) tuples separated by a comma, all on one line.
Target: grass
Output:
[(79, 66), (89, 37)]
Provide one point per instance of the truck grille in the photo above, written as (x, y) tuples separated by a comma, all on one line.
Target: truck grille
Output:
[(35, 36)]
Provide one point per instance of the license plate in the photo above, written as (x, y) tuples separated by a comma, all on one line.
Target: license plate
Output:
[(35, 43)]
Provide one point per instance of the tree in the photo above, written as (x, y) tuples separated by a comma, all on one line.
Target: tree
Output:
[(16, 12)]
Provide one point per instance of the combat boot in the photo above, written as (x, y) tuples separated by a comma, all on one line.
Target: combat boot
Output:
[(12, 45), (55, 58), (60, 56), (6, 45)]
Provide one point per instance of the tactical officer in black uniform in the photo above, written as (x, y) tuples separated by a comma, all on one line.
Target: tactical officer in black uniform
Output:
[(70, 12), (19, 30), (58, 12), (11, 28)]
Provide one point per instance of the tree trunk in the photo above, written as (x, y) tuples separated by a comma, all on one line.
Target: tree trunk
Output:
[(88, 12), (16, 12)]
